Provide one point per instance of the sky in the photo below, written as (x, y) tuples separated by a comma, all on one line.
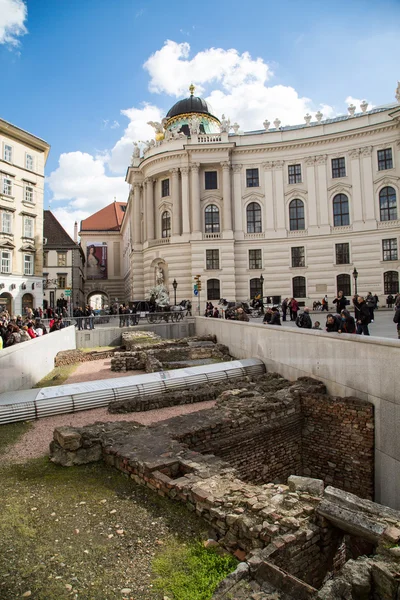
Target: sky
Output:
[(87, 75)]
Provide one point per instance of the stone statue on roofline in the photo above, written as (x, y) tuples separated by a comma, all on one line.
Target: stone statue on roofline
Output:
[(225, 125), (397, 94), (135, 153)]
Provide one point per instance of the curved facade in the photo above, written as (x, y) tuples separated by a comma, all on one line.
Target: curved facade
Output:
[(302, 206)]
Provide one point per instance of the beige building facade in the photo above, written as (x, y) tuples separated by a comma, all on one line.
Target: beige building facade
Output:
[(302, 206), (22, 161)]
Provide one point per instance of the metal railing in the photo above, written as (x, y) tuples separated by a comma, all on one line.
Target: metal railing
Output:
[(131, 320)]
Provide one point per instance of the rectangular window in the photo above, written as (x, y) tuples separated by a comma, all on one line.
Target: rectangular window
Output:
[(7, 153), (45, 259), (6, 220), (28, 264), (252, 178), (28, 227), (385, 160), (7, 186), (338, 168), (298, 257), (164, 188), (29, 162), (342, 254), (294, 172), (5, 261), (61, 259), (29, 194), (62, 282), (255, 259), (211, 180), (212, 260), (389, 248)]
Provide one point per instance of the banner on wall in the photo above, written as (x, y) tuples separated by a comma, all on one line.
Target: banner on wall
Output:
[(96, 267)]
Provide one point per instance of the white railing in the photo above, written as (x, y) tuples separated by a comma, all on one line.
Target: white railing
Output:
[(298, 233), (209, 139), (388, 224), (342, 228), (254, 236), (211, 236), (159, 242)]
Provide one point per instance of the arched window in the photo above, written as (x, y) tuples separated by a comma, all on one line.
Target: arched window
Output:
[(341, 210), (296, 215), (213, 289), (343, 283), (255, 287), (253, 213), (299, 287), (211, 214), (388, 204), (166, 224), (391, 282)]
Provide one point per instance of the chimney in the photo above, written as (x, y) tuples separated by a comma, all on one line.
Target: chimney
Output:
[(76, 232)]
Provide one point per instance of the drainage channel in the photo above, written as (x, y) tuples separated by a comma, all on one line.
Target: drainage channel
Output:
[(27, 405)]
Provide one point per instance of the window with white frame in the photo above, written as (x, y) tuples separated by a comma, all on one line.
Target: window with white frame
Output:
[(29, 162), (7, 186), (5, 261), (28, 264), (7, 153), (29, 194), (28, 227), (6, 222)]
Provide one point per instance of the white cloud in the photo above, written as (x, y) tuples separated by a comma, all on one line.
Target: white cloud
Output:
[(81, 181), (13, 14)]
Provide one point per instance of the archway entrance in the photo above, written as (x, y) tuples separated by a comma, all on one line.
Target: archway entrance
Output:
[(98, 300), (6, 302), (27, 302)]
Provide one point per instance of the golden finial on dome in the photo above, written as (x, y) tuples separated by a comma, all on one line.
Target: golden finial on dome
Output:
[(191, 89)]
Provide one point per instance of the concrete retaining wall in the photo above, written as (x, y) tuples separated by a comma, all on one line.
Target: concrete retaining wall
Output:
[(111, 336), (349, 365), (25, 364)]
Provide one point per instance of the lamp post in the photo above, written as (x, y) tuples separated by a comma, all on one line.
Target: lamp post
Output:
[(262, 293), (355, 275), (175, 285)]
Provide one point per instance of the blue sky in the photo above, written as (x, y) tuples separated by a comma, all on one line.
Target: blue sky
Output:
[(69, 67)]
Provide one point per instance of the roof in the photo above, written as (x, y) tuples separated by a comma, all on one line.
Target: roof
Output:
[(54, 232), (193, 104), (108, 218), (25, 137)]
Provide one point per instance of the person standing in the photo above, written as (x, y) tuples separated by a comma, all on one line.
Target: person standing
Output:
[(341, 302), (371, 304), (294, 309), (396, 319), (389, 301), (284, 308), (362, 315), (324, 303), (348, 324)]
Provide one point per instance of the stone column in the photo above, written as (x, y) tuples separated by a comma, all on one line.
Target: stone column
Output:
[(269, 221), (311, 213), (237, 195), (279, 195), (226, 191), (196, 207), (136, 213), (150, 209), (185, 200), (367, 184), (322, 191), (176, 209), (356, 182)]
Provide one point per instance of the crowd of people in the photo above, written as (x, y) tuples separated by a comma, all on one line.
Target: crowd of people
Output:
[(17, 329)]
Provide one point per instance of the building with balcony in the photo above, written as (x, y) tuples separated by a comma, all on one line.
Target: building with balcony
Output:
[(63, 266), (303, 206), (22, 161)]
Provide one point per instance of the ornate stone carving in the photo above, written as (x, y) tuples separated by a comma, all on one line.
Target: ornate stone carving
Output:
[(236, 128), (195, 167), (366, 151), (355, 153), (277, 123), (351, 109), (310, 161), (135, 153), (266, 124), (225, 125), (225, 165), (194, 125), (307, 119), (319, 116), (364, 106), (175, 172), (185, 170), (278, 164), (397, 93), (267, 166), (237, 168), (321, 160)]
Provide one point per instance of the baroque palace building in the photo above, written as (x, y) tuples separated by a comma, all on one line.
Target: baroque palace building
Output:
[(22, 161), (302, 206)]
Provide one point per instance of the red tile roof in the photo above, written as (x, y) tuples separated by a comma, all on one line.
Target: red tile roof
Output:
[(108, 218)]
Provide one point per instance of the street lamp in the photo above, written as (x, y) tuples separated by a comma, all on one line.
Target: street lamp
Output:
[(175, 285), (355, 275), (262, 293)]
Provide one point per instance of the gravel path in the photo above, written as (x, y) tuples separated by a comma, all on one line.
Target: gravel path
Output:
[(97, 369), (35, 442)]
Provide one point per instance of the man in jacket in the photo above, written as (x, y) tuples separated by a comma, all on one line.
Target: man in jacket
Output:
[(396, 319), (241, 315), (275, 316), (333, 324), (362, 315), (340, 301), (304, 319), (284, 308)]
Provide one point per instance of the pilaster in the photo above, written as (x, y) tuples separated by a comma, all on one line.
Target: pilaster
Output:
[(237, 199), (176, 209), (185, 200), (227, 198)]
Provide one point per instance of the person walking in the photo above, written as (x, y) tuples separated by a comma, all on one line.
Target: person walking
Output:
[(363, 317), (304, 319), (324, 303), (284, 308)]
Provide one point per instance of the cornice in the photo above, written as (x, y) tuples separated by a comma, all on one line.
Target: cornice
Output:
[(339, 187), (296, 192)]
